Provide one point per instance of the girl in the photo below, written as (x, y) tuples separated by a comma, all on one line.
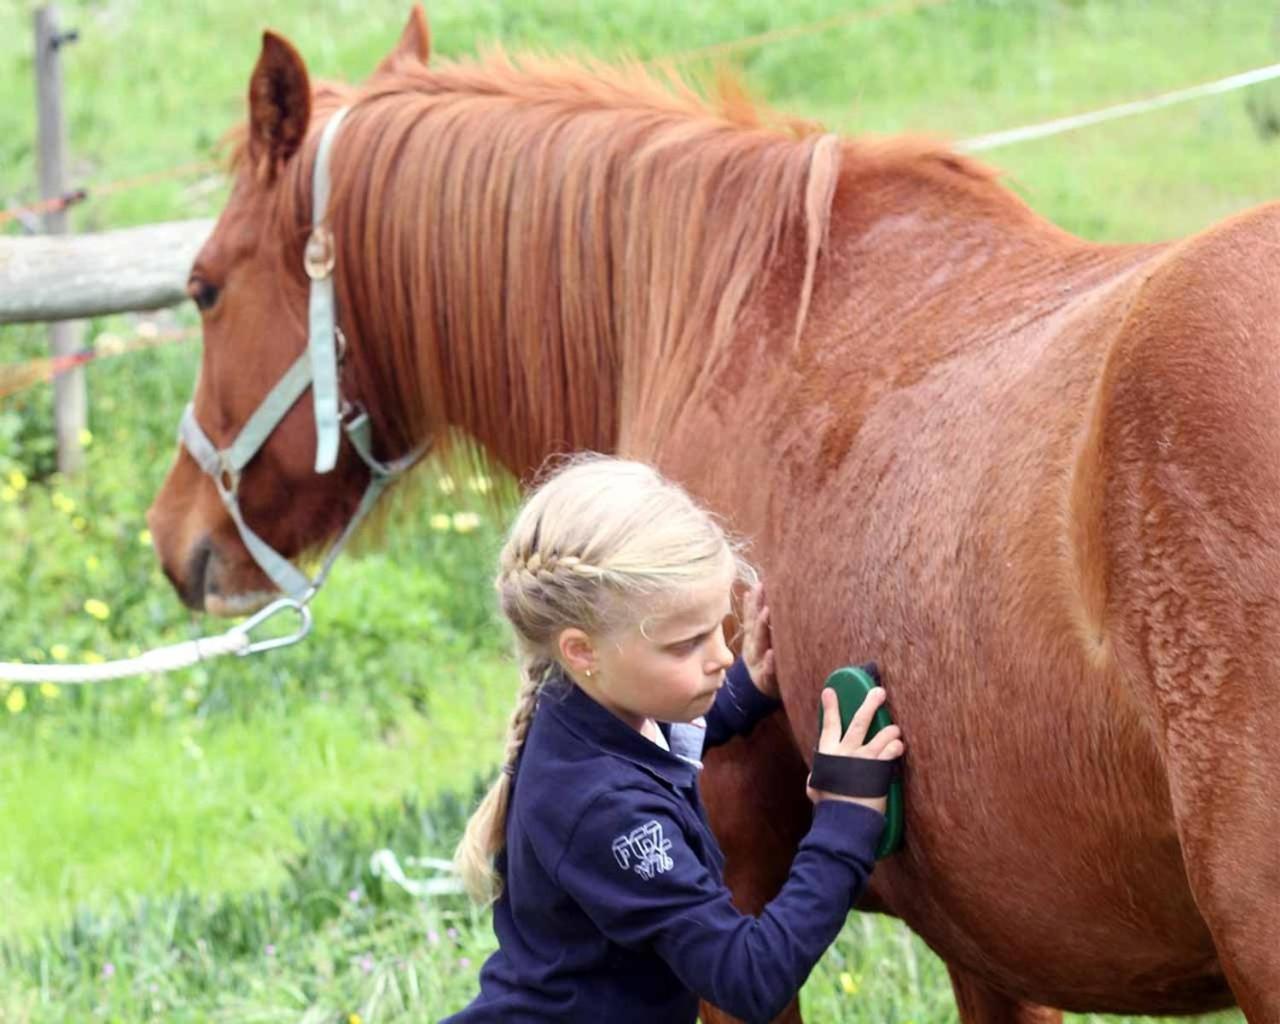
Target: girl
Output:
[(610, 900)]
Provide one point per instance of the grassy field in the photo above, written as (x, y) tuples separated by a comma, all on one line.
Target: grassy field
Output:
[(197, 847)]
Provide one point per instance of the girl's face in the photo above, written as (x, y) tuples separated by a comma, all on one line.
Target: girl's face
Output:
[(667, 667)]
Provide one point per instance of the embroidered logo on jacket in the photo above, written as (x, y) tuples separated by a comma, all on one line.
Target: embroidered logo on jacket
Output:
[(645, 849)]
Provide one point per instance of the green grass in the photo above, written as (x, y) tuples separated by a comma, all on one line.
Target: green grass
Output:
[(186, 848), (210, 804)]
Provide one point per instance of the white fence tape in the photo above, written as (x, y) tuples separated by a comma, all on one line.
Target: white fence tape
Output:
[(1168, 99)]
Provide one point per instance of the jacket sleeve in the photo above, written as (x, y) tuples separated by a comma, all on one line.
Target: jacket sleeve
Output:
[(632, 870), (738, 707)]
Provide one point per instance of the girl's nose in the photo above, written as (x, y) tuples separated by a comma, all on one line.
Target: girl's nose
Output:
[(721, 656)]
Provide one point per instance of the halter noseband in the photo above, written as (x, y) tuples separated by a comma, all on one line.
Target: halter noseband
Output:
[(316, 368)]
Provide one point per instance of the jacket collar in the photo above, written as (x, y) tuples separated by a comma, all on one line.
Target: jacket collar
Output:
[(597, 726)]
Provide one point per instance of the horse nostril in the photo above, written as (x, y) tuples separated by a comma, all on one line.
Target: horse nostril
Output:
[(193, 594)]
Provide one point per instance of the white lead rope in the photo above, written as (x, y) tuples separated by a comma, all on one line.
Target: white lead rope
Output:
[(236, 640), (383, 864)]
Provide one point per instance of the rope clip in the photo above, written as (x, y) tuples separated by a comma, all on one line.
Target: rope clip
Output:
[(261, 616)]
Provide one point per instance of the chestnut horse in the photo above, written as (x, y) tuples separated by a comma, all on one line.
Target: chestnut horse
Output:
[(1036, 478)]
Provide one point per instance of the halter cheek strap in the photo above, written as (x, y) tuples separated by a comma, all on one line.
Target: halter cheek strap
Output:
[(316, 368), (319, 259)]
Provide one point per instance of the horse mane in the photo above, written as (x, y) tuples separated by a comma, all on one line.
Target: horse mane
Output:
[(516, 236)]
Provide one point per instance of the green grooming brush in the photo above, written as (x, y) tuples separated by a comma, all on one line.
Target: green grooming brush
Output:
[(852, 684)]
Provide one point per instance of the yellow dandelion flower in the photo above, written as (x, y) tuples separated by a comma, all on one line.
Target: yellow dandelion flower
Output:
[(465, 522), (98, 609), (16, 701), (354, 1018), (144, 538), (17, 480), (93, 658), (847, 983), (440, 521), (446, 485), (62, 503), (59, 652), (92, 564), (86, 437), (49, 691), (79, 523), (8, 494)]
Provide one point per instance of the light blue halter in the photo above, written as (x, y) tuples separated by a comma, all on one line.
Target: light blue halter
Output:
[(316, 368)]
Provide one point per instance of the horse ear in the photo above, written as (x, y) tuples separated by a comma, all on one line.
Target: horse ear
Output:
[(414, 42), (279, 104)]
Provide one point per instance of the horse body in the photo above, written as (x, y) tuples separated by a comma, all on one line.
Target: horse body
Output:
[(930, 450), (1035, 478)]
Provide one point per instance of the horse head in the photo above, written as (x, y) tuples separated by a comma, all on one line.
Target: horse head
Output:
[(261, 476)]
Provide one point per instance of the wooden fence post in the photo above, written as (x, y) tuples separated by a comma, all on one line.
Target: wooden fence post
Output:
[(69, 397)]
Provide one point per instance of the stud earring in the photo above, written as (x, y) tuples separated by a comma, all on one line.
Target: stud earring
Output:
[(588, 673)]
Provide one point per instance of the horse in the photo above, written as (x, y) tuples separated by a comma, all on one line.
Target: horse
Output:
[(1037, 478)]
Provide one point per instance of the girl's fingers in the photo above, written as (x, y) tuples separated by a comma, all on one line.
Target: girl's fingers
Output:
[(829, 741), (875, 746), (862, 719)]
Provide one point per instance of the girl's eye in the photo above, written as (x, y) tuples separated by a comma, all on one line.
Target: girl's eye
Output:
[(687, 646), (202, 293)]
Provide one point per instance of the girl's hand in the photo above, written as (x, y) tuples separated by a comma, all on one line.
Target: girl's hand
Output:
[(884, 745), (757, 643)]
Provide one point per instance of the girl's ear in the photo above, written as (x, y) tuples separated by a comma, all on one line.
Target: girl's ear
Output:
[(577, 652)]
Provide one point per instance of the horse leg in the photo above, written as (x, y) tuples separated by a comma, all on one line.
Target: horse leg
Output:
[(754, 794), (979, 1004)]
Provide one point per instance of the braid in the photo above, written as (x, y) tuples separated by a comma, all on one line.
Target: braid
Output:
[(544, 569), (534, 671), (486, 830)]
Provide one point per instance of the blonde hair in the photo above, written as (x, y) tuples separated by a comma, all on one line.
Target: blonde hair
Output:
[(601, 544)]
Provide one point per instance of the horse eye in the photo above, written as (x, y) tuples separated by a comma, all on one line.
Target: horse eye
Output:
[(202, 293)]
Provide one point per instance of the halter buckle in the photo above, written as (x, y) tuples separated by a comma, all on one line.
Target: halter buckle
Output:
[(318, 257)]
